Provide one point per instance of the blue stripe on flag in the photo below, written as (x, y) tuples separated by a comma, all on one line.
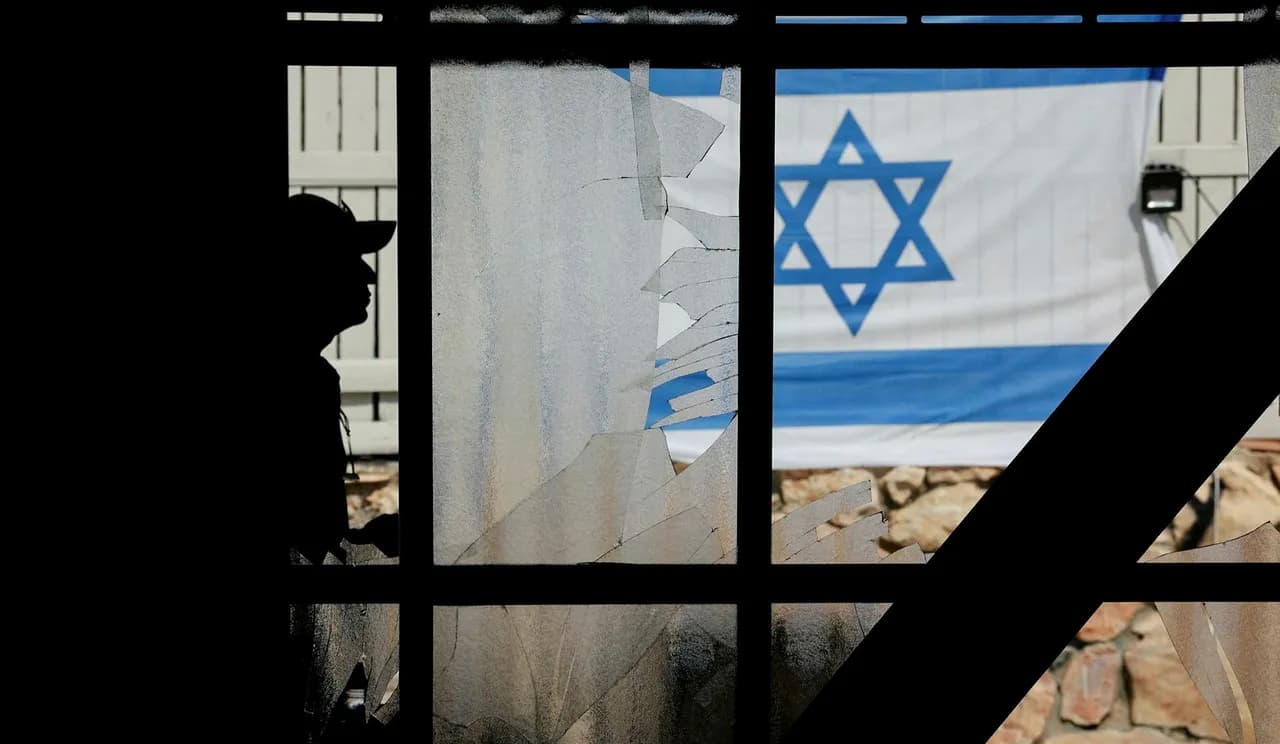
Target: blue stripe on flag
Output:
[(1139, 18), (827, 82), (926, 386), (672, 82), (1003, 19), (1129, 18)]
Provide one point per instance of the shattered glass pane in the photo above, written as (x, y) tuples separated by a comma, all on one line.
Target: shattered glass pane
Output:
[(577, 290), (346, 659), (812, 640), (1219, 641), (525, 674)]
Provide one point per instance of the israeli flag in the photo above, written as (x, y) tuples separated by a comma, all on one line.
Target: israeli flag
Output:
[(952, 250)]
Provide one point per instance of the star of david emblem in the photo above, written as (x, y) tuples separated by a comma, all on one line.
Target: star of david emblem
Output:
[(873, 279)]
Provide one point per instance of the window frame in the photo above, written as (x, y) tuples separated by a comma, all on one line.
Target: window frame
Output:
[(759, 45)]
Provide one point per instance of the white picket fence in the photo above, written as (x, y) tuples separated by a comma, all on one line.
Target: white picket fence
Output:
[(342, 140)]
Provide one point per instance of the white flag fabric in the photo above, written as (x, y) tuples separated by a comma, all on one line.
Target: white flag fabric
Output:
[(953, 250)]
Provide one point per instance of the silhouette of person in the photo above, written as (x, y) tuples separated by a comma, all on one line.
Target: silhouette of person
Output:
[(328, 293)]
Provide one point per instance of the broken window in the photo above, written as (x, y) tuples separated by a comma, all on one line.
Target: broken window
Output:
[(572, 284), (583, 673), (583, 305), (347, 661), (550, 284)]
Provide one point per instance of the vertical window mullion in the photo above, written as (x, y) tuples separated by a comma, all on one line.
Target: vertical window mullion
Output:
[(755, 365)]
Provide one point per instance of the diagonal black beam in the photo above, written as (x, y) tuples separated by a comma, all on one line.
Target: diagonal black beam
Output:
[(1038, 538)]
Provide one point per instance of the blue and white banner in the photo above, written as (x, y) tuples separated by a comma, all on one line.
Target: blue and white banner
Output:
[(953, 249)]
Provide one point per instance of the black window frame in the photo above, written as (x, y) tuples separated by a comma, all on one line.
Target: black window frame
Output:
[(758, 45)]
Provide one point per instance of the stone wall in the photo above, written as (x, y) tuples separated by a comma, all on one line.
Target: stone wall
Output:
[(1120, 681)]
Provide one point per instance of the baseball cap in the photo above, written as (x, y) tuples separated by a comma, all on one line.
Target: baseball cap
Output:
[(313, 219)]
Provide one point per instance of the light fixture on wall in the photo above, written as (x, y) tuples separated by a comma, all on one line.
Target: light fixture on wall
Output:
[(1161, 188)]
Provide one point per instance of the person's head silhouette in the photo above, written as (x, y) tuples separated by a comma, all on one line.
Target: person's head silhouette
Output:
[(330, 291)]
